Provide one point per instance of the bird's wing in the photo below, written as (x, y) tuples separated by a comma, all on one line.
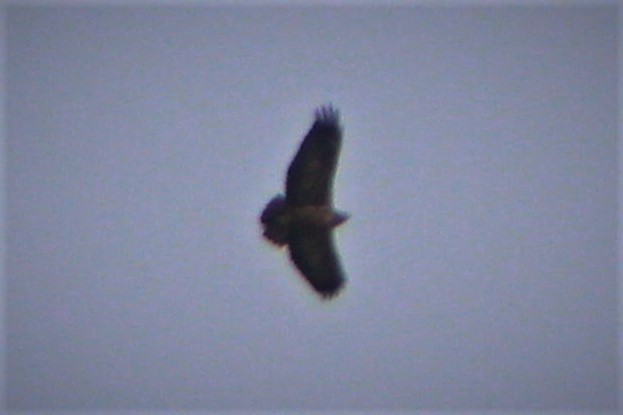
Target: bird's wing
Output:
[(310, 175), (313, 252)]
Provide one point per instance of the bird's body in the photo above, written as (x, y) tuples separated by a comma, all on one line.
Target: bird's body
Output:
[(278, 217), (304, 218)]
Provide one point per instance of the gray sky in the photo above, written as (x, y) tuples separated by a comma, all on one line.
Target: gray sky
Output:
[(479, 166)]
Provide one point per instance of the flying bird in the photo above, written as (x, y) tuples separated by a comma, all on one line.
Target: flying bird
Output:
[(303, 220)]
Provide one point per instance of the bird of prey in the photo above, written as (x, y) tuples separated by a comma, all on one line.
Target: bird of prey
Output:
[(303, 219)]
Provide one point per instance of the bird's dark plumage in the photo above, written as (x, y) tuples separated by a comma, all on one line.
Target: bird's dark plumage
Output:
[(313, 252), (304, 219), (310, 175)]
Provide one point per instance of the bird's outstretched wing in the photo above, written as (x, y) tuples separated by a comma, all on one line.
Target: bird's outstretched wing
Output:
[(310, 175), (314, 254)]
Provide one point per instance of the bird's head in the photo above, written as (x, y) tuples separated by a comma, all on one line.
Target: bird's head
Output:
[(273, 209)]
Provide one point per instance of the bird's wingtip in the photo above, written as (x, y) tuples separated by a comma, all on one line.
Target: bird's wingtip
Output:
[(327, 114)]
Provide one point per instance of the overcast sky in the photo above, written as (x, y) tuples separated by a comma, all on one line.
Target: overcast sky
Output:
[(478, 164)]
